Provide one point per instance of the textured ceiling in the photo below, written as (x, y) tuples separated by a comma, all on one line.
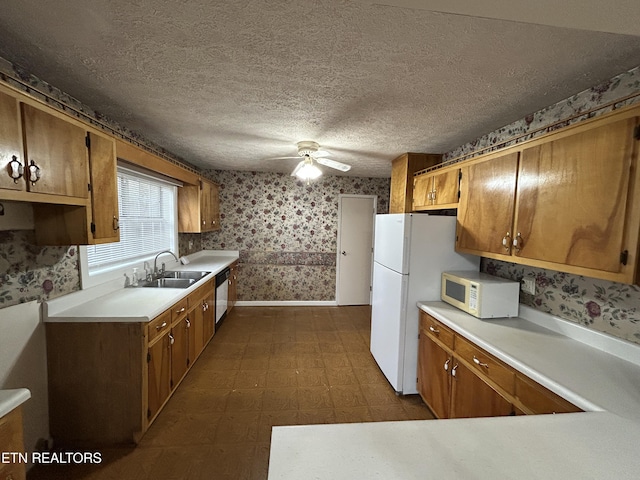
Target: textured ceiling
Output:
[(230, 85)]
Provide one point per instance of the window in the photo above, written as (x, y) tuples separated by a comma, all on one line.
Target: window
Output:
[(148, 225)]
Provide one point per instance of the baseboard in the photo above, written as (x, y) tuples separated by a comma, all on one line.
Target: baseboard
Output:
[(287, 303)]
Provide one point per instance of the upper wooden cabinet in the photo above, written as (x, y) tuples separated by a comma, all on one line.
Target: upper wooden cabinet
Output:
[(568, 202), (56, 160), (11, 151), (436, 190), (198, 208), (402, 170)]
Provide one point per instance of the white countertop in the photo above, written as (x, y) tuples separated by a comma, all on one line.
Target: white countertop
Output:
[(10, 399), (133, 304), (598, 444)]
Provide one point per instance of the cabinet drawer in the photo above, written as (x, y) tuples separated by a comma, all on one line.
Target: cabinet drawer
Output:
[(486, 364), (195, 298), (179, 310), (537, 399), (159, 325), (436, 329)]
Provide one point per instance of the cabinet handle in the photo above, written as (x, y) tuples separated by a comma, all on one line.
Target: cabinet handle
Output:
[(116, 223), (478, 362), (517, 242), (171, 339), (16, 170), (188, 323), (204, 222), (230, 282), (34, 173), (433, 195), (506, 241), (433, 329), (160, 327), (446, 365), (181, 310), (213, 222), (453, 370)]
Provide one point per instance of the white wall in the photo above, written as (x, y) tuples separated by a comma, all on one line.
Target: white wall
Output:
[(23, 364)]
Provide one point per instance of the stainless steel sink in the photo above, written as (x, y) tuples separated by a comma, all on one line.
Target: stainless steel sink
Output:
[(195, 275), (169, 283)]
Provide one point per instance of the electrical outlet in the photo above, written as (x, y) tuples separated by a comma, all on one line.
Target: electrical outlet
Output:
[(528, 285)]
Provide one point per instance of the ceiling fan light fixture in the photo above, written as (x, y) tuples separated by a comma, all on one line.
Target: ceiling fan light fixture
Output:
[(307, 171)]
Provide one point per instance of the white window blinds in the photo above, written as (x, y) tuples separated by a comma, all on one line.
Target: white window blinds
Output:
[(147, 223)]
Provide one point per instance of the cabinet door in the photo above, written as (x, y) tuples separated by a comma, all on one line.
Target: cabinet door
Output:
[(471, 397), (215, 207), (197, 334), (446, 187), (485, 211), (209, 308), (205, 206), (434, 384), (11, 154), (104, 189), (58, 152), (572, 197), (159, 374), (422, 191), (179, 351)]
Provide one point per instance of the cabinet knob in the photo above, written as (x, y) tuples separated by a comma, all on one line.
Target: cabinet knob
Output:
[(506, 241), (116, 223), (518, 243), (213, 222), (171, 339), (478, 362), (160, 327), (34, 172), (446, 365), (204, 222), (453, 370), (188, 323), (181, 310), (433, 329), (16, 170)]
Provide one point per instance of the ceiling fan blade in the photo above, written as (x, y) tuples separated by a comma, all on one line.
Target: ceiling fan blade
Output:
[(298, 167), (280, 158), (321, 153), (333, 164)]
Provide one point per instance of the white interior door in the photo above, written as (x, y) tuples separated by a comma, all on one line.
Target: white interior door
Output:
[(356, 214)]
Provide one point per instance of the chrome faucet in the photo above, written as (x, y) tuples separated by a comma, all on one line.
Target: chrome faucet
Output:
[(155, 266)]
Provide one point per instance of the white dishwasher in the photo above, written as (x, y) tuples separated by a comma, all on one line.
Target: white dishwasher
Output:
[(222, 294)]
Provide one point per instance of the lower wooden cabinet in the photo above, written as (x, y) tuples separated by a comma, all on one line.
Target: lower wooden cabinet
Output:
[(108, 381), (457, 379), (11, 440)]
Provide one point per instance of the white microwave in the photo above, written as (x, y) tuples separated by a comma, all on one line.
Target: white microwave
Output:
[(480, 294)]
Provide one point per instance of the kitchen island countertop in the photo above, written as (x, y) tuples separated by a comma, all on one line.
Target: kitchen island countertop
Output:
[(596, 444)]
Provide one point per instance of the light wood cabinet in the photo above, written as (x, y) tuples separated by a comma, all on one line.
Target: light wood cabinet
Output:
[(457, 379), (109, 381), (105, 224), (233, 286), (402, 170), (568, 202), (12, 440), (437, 190), (199, 207), (11, 150)]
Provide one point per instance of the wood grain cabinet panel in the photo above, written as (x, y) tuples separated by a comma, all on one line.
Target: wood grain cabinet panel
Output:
[(472, 396), (486, 364), (569, 201), (199, 207), (104, 189), (159, 374), (402, 188), (572, 198), (436, 190), (536, 399), (179, 349), (57, 151), (11, 144), (434, 381), (487, 204), (12, 440)]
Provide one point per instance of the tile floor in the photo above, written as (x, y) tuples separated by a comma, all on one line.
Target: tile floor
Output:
[(265, 366)]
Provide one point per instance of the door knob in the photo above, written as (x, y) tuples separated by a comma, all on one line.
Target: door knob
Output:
[(343, 252)]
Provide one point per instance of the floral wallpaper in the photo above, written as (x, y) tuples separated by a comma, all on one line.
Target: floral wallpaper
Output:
[(609, 307), (286, 231), (29, 272)]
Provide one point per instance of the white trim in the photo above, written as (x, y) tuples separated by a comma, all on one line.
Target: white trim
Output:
[(339, 239), (287, 303)]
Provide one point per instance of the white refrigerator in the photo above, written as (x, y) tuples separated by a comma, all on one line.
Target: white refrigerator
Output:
[(410, 253)]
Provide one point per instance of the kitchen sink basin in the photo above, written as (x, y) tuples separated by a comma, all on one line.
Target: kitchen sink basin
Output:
[(195, 275), (170, 283)]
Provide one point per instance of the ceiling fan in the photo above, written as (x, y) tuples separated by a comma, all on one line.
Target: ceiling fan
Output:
[(310, 152)]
